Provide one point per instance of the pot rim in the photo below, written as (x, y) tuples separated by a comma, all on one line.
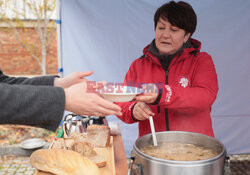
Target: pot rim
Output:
[(221, 154)]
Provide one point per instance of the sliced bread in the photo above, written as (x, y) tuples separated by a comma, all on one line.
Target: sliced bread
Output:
[(98, 135)]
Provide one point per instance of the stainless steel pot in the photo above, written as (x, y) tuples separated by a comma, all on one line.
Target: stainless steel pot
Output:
[(148, 165)]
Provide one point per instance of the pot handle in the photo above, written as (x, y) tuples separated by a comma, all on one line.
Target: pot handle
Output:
[(137, 169), (134, 169), (227, 170), (131, 162)]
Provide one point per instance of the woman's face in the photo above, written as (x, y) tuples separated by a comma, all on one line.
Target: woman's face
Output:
[(169, 38)]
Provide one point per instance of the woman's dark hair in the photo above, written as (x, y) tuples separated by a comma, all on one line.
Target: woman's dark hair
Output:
[(179, 14)]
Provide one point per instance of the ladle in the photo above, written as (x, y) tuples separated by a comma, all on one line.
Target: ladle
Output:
[(152, 126)]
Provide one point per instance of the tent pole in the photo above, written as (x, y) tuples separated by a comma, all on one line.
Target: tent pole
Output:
[(58, 27)]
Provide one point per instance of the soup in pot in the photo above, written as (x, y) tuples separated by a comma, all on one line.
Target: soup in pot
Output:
[(179, 151)]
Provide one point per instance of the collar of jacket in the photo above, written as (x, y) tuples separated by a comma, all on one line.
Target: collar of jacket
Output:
[(186, 52)]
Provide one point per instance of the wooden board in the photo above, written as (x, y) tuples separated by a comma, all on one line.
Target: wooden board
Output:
[(108, 154)]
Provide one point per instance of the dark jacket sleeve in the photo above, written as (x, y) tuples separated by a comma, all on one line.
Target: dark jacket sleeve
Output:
[(41, 106), (40, 80), (23, 103)]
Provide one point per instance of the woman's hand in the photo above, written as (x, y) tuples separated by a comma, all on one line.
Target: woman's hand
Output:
[(142, 111), (149, 95), (74, 78)]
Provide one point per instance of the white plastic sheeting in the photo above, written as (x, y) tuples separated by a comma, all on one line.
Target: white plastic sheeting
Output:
[(106, 36)]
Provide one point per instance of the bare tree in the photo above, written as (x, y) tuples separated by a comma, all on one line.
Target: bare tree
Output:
[(16, 12)]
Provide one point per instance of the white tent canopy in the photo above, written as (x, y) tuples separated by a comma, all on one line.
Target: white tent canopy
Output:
[(106, 36)]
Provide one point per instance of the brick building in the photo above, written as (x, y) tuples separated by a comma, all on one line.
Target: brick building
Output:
[(15, 60)]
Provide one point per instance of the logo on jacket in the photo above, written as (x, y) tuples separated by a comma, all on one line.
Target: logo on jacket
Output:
[(183, 82)]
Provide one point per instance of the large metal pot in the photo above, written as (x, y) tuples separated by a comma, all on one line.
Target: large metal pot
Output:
[(148, 165)]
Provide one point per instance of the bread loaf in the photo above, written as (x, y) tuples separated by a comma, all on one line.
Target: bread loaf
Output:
[(39, 172), (63, 162), (84, 148), (59, 144), (87, 150), (79, 137), (98, 135), (78, 143), (99, 160), (62, 143)]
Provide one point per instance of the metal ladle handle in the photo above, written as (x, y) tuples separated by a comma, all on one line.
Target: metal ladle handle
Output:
[(152, 126)]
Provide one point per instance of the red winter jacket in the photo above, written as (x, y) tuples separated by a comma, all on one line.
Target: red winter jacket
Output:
[(184, 104)]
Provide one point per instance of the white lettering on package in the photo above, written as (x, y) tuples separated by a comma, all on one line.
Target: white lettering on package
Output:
[(169, 93), (183, 82)]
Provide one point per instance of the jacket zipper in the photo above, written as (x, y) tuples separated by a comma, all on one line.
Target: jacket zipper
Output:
[(166, 77), (166, 110), (167, 71)]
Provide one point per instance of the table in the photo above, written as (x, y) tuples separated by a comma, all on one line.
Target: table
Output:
[(121, 165)]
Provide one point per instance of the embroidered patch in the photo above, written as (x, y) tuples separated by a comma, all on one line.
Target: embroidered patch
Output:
[(184, 82), (169, 93)]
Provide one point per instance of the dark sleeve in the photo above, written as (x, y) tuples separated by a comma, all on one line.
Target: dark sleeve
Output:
[(39, 80), (41, 106)]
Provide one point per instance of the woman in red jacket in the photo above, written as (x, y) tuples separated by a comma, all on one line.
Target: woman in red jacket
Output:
[(184, 79)]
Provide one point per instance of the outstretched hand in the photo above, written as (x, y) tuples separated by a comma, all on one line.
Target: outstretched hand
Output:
[(84, 100), (74, 78)]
